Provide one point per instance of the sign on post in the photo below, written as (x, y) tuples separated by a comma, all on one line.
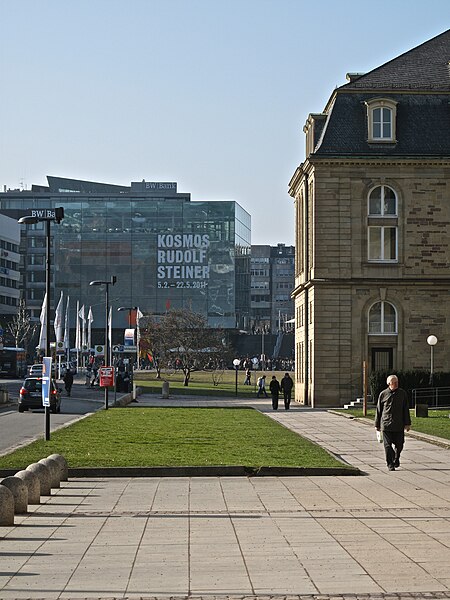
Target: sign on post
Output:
[(46, 380), (106, 376)]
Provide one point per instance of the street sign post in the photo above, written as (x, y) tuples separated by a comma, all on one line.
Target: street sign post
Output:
[(46, 379), (106, 376)]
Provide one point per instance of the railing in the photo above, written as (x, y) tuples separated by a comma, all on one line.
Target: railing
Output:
[(437, 397)]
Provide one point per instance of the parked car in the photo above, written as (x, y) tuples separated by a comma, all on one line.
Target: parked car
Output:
[(30, 395), (35, 370)]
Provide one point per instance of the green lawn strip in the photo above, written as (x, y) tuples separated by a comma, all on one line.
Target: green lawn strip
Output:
[(175, 437), (437, 423), (202, 384)]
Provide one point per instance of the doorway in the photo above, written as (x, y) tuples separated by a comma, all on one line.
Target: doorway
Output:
[(382, 359)]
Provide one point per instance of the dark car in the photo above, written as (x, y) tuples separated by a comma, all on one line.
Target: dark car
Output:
[(30, 395)]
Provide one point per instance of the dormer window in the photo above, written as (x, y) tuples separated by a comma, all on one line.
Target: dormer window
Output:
[(381, 118)]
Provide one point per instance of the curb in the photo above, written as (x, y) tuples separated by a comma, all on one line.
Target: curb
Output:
[(208, 471)]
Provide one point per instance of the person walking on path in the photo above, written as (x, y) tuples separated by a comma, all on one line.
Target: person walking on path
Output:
[(392, 418), (262, 386), (248, 377), (286, 387), (274, 387), (68, 381)]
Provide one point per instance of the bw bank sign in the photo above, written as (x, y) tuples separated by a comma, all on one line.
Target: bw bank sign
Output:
[(47, 214)]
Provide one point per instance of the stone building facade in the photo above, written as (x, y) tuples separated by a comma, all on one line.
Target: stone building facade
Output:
[(372, 202)]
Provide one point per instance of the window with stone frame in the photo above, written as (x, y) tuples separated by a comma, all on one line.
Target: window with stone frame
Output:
[(382, 319), (382, 231), (381, 120)]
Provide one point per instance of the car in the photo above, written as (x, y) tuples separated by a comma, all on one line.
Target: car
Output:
[(30, 395), (35, 370)]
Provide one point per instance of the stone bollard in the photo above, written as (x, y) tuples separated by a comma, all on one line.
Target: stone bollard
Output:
[(165, 390), (6, 507), (43, 474), (19, 491), (54, 469), (31, 480), (64, 467)]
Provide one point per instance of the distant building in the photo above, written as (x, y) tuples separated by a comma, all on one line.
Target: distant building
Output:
[(166, 251), (272, 281), (372, 201), (9, 265)]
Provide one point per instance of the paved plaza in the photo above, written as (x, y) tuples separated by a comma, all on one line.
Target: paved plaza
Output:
[(381, 535)]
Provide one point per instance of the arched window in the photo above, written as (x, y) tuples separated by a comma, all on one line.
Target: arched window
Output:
[(382, 202), (381, 117), (382, 319)]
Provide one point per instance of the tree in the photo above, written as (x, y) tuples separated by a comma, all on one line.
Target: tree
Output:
[(21, 328), (153, 341), (183, 338)]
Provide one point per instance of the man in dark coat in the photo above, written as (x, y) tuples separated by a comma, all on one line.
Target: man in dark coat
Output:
[(392, 418), (274, 387), (68, 381), (286, 386)]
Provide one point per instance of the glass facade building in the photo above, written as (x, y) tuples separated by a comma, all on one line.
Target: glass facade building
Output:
[(165, 250)]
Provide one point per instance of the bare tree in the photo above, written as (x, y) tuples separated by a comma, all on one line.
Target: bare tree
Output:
[(183, 339), (193, 345), (21, 328)]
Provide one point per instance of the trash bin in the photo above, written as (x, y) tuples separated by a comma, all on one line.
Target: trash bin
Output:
[(165, 390)]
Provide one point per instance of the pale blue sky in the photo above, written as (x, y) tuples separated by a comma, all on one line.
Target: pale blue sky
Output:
[(212, 94)]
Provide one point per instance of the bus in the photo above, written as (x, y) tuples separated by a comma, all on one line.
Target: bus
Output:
[(13, 362)]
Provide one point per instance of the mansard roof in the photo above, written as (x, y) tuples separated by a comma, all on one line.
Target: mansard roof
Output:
[(426, 67), (419, 82)]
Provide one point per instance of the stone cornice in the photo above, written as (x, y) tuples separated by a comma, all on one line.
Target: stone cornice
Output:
[(385, 161)]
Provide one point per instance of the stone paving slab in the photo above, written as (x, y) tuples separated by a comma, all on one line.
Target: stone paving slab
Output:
[(382, 536)]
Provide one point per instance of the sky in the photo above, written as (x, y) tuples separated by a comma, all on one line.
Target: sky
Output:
[(211, 94)]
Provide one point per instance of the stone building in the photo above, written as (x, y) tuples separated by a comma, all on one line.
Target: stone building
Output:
[(372, 202)]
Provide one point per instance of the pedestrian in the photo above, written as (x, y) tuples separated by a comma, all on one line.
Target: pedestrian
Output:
[(248, 377), (392, 418), (261, 386), (68, 381), (274, 387), (286, 387)]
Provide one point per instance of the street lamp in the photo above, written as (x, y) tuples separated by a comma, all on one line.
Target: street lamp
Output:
[(431, 341), (46, 215), (108, 359), (236, 363)]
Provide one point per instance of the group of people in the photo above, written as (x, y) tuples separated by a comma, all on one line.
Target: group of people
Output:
[(276, 388)]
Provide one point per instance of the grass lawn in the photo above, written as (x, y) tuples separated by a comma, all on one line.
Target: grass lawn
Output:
[(205, 383), (437, 422), (121, 437)]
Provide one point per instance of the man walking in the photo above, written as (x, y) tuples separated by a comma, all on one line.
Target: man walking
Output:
[(274, 387), (261, 386), (286, 387), (393, 419)]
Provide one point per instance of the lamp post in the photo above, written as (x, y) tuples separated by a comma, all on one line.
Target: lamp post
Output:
[(108, 360), (46, 215), (431, 341), (236, 363), (130, 309)]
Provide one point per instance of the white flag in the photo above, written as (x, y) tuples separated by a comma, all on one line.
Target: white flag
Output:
[(78, 333), (107, 350), (139, 315), (58, 323), (83, 326), (43, 320), (90, 319), (67, 327)]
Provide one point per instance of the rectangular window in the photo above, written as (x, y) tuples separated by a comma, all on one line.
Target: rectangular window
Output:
[(382, 243), (382, 123)]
